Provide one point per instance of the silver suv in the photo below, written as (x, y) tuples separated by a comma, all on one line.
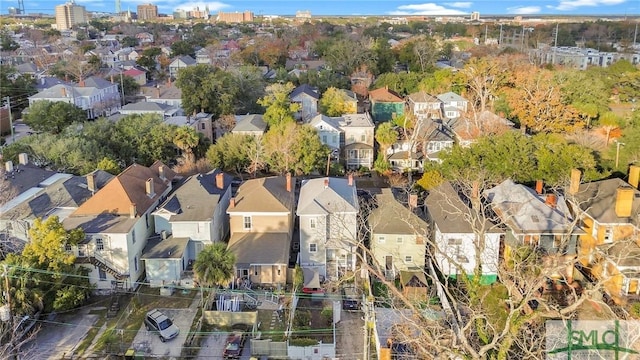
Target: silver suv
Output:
[(157, 321)]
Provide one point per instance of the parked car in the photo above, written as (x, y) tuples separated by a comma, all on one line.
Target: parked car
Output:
[(235, 342), (160, 323), (350, 298)]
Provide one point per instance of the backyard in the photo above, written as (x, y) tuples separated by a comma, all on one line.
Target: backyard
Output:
[(312, 322)]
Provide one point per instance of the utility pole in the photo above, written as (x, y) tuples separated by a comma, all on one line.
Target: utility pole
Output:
[(8, 105), (328, 162), (500, 39), (635, 36), (8, 297), (555, 45), (485, 33)]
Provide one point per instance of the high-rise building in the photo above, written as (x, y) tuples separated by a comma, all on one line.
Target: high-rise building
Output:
[(118, 7), (70, 14), (475, 16), (236, 17), (147, 12)]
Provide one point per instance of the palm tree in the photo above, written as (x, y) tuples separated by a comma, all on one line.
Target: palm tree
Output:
[(186, 139), (214, 266)]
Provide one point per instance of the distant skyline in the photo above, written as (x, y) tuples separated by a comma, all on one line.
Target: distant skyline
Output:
[(360, 7)]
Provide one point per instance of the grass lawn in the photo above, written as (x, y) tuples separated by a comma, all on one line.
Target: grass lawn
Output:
[(275, 334), (132, 311), (91, 334)]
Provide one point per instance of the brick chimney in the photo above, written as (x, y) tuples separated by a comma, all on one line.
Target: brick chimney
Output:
[(289, 182), (624, 201), (91, 182), (232, 203), (161, 172), (539, 184), (81, 82), (8, 166), (133, 211), (150, 191), (634, 175), (350, 179), (551, 200), (575, 181), (220, 181), (112, 79), (326, 183), (413, 201), (63, 91)]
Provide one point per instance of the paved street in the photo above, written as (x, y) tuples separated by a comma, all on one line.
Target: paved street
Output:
[(20, 130), (59, 336)]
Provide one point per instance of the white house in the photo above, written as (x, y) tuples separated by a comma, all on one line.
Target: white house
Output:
[(180, 63), (308, 98), (193, 216), (456, 240), (328, 211), (453, 105), (358, 140), (328, 129), (117, 221)]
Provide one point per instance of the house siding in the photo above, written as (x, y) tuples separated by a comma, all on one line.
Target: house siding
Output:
[(164, 271), (261, 223), (446, 253), (409, 247)]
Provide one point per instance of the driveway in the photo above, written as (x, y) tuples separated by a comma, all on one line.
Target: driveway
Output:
[(149, 341), (59, 336), (213, 345), (350, 335)]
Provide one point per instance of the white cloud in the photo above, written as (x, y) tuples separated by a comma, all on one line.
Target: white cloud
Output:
[(574, 4), (425, 9), (523, 10), (463, 5)]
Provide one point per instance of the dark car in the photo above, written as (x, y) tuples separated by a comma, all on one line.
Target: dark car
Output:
[(235, 342), (160, 323), (350, 298)]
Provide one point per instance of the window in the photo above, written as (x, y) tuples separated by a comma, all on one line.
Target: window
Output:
[(99, 244), (363, 137), (133, 236), (462, 259), (324, 139), (381, 239), (399, 240), (246, 223), (334, 139), (67, 247), (203, 126), (313, 248), (312, 223), (455, 241), (408, 258), (81, 251), (135, 263), (146, 219), (255, 271), (608, 235), (102, 275)]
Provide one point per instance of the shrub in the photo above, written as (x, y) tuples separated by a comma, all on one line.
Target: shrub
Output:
[(634, 310), (303, 342), (327, 315)]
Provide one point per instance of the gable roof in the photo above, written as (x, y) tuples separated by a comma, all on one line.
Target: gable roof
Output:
[(134, 72), (250, 122), (423, 97), (336, 197), (306, 90), (128, 188), (385, 95), (197, 198), (598, 200), (448, 211), (524, 211), (392, 217), (320, 119), (97, 82), (450, 97), (267, 194), (146, 106), (355, 120), (186, 59)]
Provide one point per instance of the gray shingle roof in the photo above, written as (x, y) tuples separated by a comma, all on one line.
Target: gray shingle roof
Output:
[(392, 217), (250, 122), (598, 200), (337, 197), (260, 248)]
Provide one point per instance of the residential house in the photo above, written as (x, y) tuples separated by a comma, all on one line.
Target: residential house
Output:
[(385, 104), (307, 97), (453, 105), (328, 216), (95, 95), (250, 124), (467, 129), (146, 107), (203, 56), (424, 106), (434, 138), (398, 234), (536, 220), (144, 38), (180, 63), (167, 93), (54, 194), (201, 122), (193, 216), (261, 224), (329, 130), (117, 221), (138, 75), (358, 150), (457, 236), (403, 155), (610, 247)]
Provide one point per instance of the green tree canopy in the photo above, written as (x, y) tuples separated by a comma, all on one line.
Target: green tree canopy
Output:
[(208, 89), (53, 117), (214, 265), (291, 147), (279, 108), (231, 152), (333, 103), (182, 47), (386, 135)]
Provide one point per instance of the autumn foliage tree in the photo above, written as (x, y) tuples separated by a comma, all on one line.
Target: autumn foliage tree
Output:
[(279, 108)]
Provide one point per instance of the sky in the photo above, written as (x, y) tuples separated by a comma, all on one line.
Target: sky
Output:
[(359, 7)]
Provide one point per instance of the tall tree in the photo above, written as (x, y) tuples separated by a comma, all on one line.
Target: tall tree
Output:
[(386, 135), (291, 147), (484, 78), (609, 121), (53, 117), (333, 103), (186, 139), (208, 89), (232, 152), (279, 108)]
